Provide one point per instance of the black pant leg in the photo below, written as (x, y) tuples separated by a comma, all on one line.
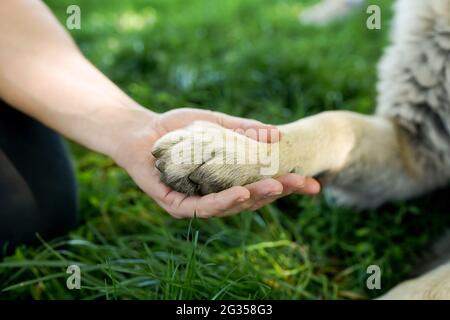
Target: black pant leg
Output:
[(37, 182)]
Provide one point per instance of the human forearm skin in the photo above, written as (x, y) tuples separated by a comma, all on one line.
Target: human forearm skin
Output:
[(43, 74)]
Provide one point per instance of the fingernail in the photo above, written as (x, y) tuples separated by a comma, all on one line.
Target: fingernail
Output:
[(316, 188), (273, 193), (301, 182)]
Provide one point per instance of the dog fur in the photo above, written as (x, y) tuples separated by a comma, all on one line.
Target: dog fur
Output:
[(401, 151)]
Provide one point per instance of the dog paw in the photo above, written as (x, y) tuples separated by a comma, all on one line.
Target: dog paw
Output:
[(206, 158)]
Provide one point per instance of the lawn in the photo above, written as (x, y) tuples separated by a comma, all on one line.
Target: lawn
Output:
[(248, 58)]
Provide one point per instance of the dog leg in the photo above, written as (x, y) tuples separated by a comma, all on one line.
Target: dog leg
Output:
[(364, 160), (434, 285), (328, 11)]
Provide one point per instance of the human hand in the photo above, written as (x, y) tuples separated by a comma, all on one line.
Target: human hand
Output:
[(134, 156)]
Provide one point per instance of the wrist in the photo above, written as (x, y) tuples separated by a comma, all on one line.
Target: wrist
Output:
[(132, 132)]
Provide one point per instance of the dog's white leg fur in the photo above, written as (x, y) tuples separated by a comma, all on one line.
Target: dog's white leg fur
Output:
[(401, 151), (349, 152), (434, 285), (328, 11)]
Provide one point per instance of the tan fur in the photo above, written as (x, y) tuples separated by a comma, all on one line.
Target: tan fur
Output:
[(434, 285), (399, 152)]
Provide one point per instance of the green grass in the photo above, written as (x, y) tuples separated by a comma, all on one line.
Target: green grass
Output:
[(248, 58)]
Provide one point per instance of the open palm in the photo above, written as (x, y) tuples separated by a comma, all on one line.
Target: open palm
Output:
[(135, 157)]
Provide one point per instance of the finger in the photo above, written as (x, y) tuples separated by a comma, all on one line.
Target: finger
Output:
[(266, 132), (264, 194), (289, 184), (292, 183), (214, 204), (222, 203), (312, 187), (262, 191), (264, 188), (251, 128)]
